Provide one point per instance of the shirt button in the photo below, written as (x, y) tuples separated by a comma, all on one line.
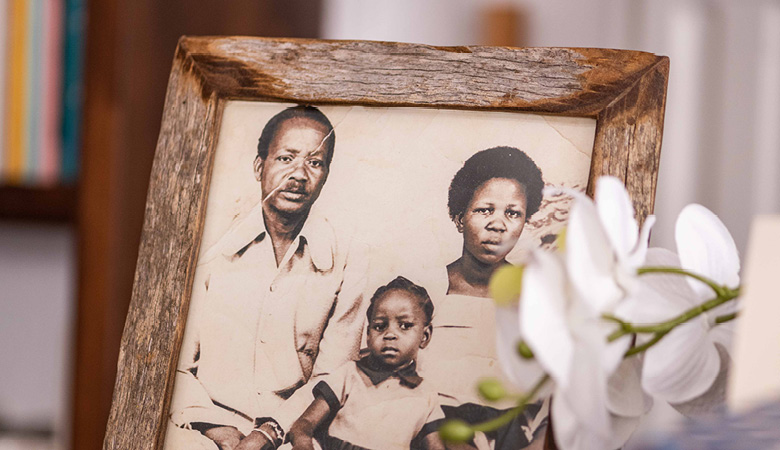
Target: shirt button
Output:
[(273, 287)]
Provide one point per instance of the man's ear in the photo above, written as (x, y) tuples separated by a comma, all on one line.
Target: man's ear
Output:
[(426, 337), (258, 167), (459, 223)]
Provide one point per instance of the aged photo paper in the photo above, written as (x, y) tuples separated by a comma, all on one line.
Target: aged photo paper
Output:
[(342, 276)]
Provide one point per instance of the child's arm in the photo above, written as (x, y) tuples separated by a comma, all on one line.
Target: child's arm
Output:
[(302, 430)]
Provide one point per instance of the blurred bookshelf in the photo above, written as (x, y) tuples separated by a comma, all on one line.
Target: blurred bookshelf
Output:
[(41, 72), (129, 49), (53, 204)]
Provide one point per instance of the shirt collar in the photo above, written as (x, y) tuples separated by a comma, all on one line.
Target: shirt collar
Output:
[(317, 234), (408, 375)]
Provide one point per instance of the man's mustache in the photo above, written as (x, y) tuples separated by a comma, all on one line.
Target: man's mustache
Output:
[(294, 187)]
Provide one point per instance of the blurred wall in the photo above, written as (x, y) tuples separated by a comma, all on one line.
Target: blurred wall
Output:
[(721, 143), (722, 132), (36, 311)]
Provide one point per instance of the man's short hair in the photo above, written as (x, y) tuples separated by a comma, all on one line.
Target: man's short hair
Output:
[(294, 112), (496, 162)]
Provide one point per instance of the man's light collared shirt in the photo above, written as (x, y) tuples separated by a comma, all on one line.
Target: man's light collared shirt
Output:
[(258, 332)]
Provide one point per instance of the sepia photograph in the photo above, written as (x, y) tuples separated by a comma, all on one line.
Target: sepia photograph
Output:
[(340, 298)]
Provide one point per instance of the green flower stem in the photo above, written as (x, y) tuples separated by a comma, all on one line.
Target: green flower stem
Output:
[(507, 417), (726, 318), (720, 291), (665, 327), (640, 348)]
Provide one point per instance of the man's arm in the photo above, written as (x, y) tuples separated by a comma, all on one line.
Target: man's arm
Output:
[(340, 341), (191, 403)]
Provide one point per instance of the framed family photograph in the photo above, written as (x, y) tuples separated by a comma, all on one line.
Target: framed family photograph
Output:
[(322, 223)]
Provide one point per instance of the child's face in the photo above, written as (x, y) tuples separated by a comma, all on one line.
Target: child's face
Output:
[(397, 329)]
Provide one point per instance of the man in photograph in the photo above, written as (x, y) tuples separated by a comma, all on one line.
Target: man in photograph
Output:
[(276, 303)]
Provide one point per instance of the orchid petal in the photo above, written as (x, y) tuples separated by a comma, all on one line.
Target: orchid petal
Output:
[(611, 353), (657, 256), (723, 334), (683, 364), (713, 400), (622, 429), (586, 394), (624, 388), (617, 215), (507, 334), (639, 254), (589, 258), (522, 373), (706, 248), (543, 315), (654, 304), (571, 435), (660, 296)]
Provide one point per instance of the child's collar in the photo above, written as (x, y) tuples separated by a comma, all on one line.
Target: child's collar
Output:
[(408, 374)]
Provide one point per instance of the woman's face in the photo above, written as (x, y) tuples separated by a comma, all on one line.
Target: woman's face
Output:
[(493, 220)]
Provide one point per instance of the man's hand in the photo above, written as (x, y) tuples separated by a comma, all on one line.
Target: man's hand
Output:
[(255, 441), (226, 438)]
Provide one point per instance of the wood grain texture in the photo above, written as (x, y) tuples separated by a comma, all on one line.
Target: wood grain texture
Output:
[(567, 81), (628, 137), (167, 257), (624, 90), (126, 76)]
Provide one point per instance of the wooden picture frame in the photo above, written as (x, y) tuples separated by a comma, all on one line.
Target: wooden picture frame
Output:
[(625, 91)]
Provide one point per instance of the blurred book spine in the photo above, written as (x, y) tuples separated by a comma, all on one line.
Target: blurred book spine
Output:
[(41, 59), (16, 90), (4, 33), (51, 134), (33, 96), (72, 87)]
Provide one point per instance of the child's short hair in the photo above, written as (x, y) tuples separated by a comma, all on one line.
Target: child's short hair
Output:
[(403, 284)]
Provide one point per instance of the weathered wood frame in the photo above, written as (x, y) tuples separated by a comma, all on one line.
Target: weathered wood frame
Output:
[(624, 90)]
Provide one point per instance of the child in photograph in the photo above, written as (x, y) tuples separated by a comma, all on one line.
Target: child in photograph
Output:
[(379, 402)]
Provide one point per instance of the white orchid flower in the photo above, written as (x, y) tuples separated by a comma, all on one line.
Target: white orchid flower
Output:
[(684, 364), (564, 296), (603, 250), (597, 401), (604, 247), (626, 404)]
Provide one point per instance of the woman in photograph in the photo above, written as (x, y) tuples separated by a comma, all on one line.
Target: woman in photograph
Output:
[(490, 200)]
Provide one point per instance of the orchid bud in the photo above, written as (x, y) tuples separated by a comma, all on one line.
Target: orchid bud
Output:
[(524, 350), (560, 241), (456, 431), (491, 390), (505, 284)]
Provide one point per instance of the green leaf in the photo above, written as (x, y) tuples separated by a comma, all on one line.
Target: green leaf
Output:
[(506, 284)]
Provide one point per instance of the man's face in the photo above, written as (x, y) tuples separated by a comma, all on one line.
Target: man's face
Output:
[(292, 175), (397, 330)]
